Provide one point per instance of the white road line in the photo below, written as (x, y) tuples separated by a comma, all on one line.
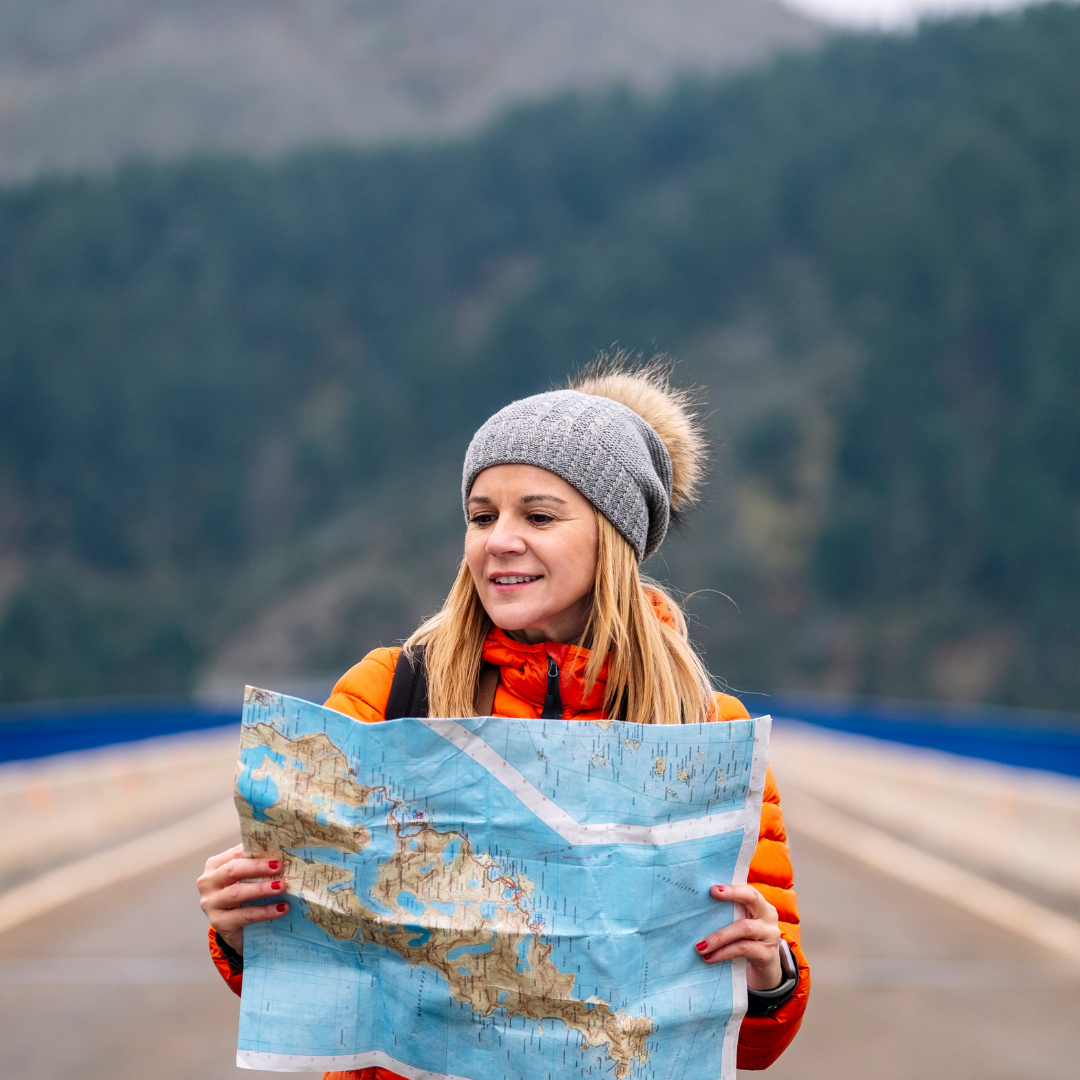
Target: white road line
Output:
[(934, 973), (572, 831), (217, 823), (107, 971), (1003, 907)]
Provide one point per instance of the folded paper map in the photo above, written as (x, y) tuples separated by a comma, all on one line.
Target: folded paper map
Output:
[(494, 899)]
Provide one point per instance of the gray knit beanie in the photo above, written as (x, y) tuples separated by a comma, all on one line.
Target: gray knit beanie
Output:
[(597, 445)]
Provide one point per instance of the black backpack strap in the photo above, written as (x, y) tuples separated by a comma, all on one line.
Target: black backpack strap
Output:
[(408, 691), (487, 685)]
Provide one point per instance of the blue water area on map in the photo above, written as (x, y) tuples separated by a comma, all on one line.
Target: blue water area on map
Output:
[(260, 794), (622, 919), (410, 903), (351, 815), (364, 866), (475, 950)]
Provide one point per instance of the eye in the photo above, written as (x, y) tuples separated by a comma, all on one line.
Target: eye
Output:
[(540, 518), (481, 519)]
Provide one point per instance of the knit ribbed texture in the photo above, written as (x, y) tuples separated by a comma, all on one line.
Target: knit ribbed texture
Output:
[(602, 448)]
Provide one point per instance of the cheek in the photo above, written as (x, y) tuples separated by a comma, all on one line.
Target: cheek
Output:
[(578, 569), (586, 568), (474, 555)]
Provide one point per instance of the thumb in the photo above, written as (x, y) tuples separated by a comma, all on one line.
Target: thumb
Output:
[(754, 904)]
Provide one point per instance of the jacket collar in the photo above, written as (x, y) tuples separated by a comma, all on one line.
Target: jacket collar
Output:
[(524, 667)]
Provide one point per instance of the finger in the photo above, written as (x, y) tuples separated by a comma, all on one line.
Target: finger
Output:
[(242, 892), (757, 907), (229, 921), (219, 860), (237, 869), (755, 951), (748, 930)]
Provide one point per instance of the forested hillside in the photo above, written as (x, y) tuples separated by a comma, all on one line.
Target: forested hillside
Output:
[(87, 83), (234, 397)]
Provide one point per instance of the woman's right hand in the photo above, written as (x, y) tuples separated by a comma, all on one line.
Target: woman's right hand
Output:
[(222, 891)]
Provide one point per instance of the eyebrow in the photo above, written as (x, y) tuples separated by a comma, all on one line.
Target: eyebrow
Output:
[(483, 500)]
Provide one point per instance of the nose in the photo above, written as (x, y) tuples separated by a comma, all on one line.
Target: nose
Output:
[(505, 538)]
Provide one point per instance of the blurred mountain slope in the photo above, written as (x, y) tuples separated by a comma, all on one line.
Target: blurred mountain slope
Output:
[(234, 396), (86, 83)]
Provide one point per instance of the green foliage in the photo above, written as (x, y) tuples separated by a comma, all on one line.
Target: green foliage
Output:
[(770, 449), (69, 635), (203, 362)]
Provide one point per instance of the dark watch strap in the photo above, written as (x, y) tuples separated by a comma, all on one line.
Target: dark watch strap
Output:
[(766, 1002), (235, 959)]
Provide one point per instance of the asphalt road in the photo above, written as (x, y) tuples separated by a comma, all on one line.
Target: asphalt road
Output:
[(118, 987)]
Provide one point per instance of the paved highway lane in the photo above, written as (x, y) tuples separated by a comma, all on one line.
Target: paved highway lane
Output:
[(118, 987), (906, 985)]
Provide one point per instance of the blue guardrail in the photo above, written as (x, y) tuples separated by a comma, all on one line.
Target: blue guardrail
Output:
[(55, 730), (1030, 740)]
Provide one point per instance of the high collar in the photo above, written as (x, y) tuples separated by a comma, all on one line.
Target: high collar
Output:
[(525, 668)]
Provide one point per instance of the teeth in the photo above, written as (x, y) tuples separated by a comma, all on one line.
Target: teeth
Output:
[(515, 580)]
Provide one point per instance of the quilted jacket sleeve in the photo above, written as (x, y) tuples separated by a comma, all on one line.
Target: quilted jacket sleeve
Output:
[(762, 1039), (363, 691)]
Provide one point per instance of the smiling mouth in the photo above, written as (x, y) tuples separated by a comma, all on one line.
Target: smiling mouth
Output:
[(515, 579)]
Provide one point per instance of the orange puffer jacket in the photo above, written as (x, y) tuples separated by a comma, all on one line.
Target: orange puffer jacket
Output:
[(363, 691)]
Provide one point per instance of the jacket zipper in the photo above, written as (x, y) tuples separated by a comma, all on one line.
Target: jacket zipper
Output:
[(553, 701)]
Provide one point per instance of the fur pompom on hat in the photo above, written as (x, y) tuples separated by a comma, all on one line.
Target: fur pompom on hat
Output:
[(622, 436)]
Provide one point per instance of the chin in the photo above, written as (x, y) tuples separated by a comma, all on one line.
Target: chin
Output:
[(507, 620)]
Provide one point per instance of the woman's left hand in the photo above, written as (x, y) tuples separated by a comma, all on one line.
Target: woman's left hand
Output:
[(755, 936)]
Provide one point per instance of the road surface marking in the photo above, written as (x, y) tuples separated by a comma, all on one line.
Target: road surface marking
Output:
[(75, 880), (909, 864)]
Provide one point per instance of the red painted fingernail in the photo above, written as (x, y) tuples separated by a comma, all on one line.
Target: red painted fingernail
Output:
[(701, 946), (283, 907), (274, 864), (275, 884)]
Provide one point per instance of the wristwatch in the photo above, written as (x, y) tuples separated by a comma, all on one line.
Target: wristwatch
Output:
[(766, 1002)]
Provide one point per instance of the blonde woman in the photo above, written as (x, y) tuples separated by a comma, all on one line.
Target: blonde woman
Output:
[(565, 494)]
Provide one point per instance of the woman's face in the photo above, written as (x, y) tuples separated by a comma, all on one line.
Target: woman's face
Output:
[(531, 546)]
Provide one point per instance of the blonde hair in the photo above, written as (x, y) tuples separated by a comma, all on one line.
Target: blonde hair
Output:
[(653, 677)]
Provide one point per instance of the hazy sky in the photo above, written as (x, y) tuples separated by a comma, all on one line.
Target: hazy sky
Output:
[(893, 13)]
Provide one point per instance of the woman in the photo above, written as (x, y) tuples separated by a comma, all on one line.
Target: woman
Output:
[(565, 493)]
